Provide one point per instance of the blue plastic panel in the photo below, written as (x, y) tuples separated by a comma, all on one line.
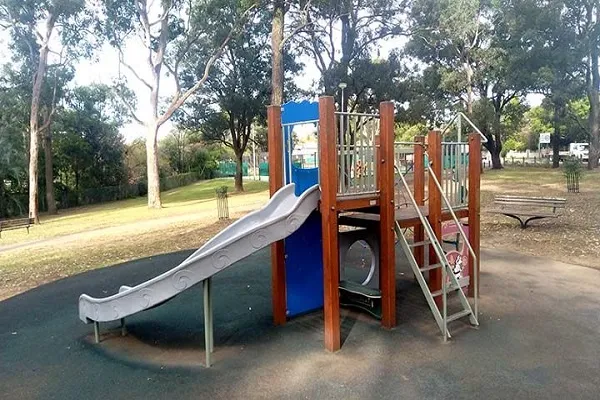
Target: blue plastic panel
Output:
[(303, 249)]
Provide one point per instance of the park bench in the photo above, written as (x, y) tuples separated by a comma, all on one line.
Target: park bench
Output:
[(10, 224), (525, 209)]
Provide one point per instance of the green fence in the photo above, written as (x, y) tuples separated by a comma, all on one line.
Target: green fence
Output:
[(227, 168)]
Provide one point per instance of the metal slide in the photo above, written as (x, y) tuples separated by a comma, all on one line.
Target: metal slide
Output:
[(281, 216)]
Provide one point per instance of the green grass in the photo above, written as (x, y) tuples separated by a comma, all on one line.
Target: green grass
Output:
[(180, 201), (539, 176)]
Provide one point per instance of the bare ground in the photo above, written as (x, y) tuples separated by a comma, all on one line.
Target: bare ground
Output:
[(574, 237)]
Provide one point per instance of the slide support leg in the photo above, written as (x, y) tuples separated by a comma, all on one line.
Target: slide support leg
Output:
[(208, 326)]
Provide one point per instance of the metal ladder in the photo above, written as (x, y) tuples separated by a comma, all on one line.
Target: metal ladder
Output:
[(441, 317)]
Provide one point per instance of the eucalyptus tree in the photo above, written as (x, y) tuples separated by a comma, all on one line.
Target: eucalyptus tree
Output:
[(234, 96), (44, 33), (167, 32)]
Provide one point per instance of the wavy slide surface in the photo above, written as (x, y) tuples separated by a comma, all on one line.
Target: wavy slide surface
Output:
[(281, 216)]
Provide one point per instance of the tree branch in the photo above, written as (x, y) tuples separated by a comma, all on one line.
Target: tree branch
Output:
[(179, 99)]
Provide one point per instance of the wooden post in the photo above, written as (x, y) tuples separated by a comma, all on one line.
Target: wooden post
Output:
[(387, 255), (328, 175), (434, 151), (474, 208), (419, 188), (275, 143)]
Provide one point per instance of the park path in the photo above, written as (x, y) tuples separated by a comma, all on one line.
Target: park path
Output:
[(205, 216)]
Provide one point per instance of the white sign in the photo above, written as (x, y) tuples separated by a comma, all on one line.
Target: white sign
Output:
[(544, 138)]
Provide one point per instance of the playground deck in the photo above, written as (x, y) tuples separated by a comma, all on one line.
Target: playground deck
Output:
[(406, 216), (47, 352)]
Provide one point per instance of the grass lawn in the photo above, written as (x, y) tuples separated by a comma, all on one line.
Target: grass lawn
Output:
[(81, 239), (91, 237), (176, 202)]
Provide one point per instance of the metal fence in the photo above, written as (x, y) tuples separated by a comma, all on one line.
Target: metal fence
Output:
[(357, 152), (455, 172)]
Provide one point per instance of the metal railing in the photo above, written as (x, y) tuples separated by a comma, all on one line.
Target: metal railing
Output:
[(454, 179), (290, 138), (464, 237), (357, 152), (458, 118)]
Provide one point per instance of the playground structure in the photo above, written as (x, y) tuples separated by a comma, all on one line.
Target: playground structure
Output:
[(368, 184), (372, 186)]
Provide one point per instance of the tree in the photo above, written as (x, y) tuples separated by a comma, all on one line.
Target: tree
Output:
[(449, 34), (338, 33), (35, 26), (235, 95), (171, 31), (479, 50), (88, 146)]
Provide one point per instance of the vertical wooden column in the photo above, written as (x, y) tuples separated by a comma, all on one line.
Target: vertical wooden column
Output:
[(275, 143), (419, 193), (328, 175), (387, 255), (474, 207), (434, 151)]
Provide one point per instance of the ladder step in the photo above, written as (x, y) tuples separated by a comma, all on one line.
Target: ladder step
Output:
[(430, 267), (417, 244), (448, 290), (458, 315)]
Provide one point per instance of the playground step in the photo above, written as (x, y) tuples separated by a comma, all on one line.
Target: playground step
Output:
[(430, 267), (458, 315), (452, 284), (449, 289)]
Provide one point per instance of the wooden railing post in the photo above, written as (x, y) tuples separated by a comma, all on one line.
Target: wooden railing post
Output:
[(434, 151), (474, 208), (419, 193), (275, 143), (328, 175), (387, 261)]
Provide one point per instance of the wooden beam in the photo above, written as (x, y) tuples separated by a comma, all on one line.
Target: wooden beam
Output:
[(474, 208), (275, 143), (357, 203), (387, 261), (419, 193), (434, 151), (328, 175)]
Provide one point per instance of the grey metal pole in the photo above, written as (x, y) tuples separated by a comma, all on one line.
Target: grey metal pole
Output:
[(207, 322), (97, 331)]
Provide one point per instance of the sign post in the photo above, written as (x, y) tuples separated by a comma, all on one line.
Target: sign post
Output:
[(544, 139)]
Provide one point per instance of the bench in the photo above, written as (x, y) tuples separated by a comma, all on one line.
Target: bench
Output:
[(525, 209), (10, 224)]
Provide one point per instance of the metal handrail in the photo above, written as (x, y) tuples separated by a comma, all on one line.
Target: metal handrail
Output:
[(438, 251), (461, 114), (462, 233)]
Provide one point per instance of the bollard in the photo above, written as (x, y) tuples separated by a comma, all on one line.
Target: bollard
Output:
[(222, 203)]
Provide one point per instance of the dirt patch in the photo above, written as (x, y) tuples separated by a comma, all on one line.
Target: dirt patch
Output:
[(574, 237)]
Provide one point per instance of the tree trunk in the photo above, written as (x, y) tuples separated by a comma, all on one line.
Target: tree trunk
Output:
[(152, 167), (277, 75), (469, 75), (555, 137), (34, 127), (594, 97), (49, 162), (496, 161), (239, 182)]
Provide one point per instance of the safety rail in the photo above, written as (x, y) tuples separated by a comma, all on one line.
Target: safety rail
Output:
[(403, 164), (357, 153), (464, 237), (289, 138), (440, 318), (454, 179), (458, 118)]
